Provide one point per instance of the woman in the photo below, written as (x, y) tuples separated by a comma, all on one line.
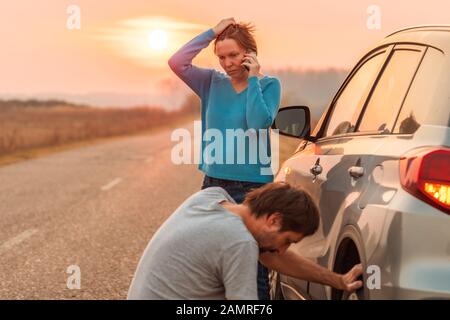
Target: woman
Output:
[(241, 100)]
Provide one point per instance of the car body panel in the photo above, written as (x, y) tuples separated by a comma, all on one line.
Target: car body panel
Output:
[(407, 238)]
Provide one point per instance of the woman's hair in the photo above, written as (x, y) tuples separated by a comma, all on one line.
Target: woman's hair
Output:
[(242, 33)]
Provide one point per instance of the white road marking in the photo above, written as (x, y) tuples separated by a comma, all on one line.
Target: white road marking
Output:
[(17, 239), (111, 184)]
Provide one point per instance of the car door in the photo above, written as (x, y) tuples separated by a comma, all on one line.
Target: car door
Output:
[(350, 168), (316, 162)]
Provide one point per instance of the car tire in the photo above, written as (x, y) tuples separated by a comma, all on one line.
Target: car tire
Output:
[(349, 253), (357, 295), (343, 295)]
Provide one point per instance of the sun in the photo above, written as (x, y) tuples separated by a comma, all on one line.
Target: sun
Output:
[(157, 39)]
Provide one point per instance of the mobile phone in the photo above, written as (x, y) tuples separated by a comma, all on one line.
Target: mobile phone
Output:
[(246, 67)]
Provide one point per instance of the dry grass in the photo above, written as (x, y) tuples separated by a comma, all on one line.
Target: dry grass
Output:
[(36, 152), (27, 131), (287, 147)]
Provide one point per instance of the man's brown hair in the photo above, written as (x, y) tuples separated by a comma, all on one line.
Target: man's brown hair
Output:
[(242, 34), (298, 211)]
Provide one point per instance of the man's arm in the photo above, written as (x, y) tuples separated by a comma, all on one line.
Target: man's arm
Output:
[(294, 265), (239, 270)]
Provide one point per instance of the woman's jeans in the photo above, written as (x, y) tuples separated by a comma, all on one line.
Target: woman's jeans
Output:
[(237, 190)]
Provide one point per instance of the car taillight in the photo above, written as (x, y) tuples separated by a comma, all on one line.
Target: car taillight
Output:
[(425, 173)]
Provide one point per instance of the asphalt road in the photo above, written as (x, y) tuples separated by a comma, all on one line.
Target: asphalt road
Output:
[(95, 207)]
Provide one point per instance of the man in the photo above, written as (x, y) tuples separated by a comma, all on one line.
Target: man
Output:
[(210, 246)]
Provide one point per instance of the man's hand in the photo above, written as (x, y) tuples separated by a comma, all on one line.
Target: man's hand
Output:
[(222, 25), (294, 265), (348, 281)]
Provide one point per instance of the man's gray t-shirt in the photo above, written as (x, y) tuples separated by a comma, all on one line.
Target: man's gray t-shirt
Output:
[(203, 251)]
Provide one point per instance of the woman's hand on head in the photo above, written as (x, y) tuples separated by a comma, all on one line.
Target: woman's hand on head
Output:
[(222, 25), (251, 61)]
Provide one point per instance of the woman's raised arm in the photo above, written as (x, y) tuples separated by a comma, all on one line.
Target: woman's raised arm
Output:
[(198, 79)]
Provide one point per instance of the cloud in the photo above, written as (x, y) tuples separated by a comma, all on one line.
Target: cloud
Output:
[(161, 22), (129, 38)]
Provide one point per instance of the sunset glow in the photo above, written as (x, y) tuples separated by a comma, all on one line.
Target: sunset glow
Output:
[(146, 41), (157, 39), (124, 46)]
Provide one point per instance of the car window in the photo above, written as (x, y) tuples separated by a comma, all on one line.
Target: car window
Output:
[(350, 101), (390, 91), (426, 103)]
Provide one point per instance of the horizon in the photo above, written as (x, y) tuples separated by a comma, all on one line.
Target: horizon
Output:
[(178, 92)]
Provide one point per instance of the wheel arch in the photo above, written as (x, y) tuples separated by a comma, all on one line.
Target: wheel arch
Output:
[(349, 251)]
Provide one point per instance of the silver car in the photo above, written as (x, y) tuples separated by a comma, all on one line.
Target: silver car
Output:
[(378, 166)]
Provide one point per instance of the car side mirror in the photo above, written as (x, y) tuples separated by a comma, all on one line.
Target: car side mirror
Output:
[(293, 122)]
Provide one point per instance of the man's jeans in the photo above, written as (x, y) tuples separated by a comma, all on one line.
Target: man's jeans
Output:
[(237, 190)]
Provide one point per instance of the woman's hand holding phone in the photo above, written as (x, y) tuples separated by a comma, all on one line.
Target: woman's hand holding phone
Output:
[(250, 62)]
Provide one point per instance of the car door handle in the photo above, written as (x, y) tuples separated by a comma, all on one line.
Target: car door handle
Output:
[(316, 169), (356, 172)]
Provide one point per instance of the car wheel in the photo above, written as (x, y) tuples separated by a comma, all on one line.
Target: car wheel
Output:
[(346, 258), (357, 295)]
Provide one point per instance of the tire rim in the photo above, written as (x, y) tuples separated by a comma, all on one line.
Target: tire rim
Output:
[(353, 296)]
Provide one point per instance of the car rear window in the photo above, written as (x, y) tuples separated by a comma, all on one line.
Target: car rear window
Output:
[(426, 102)]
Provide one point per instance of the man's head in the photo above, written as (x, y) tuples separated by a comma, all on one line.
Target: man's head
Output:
[(284, 214)]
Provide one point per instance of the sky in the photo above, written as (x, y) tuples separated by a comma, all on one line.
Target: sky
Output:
[(115, 51)]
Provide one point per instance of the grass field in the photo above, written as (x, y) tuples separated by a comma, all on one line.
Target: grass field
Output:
[(38, 128), (29, 130)]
